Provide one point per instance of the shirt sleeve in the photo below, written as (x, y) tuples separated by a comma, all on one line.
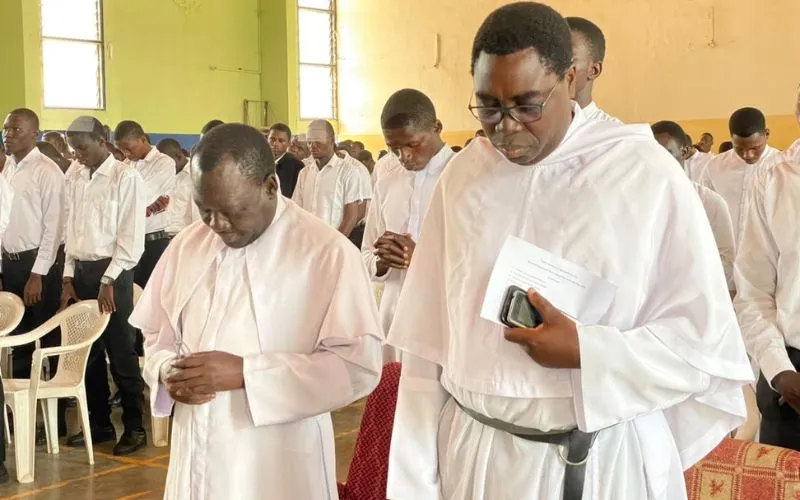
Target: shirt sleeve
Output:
[(159, 180), (53, 195), (130, 225), (373, 230), (352, 185), (297, 196), (344, 366), (179, 210), (6, 201), (722, 226), (413, 455), (756, 282)]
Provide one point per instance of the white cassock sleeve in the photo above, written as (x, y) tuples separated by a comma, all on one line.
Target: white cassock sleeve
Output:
[(756, 281), (373, 230), (160, 346), (413, 457), (686, 357), (344, 366)]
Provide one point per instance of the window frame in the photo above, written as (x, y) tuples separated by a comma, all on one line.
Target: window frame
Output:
[(102, 45), (333, 65)]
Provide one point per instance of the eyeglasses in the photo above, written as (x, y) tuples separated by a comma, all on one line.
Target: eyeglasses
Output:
[(522, 113)]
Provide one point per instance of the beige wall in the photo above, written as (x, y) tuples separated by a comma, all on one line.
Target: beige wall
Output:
[(659, 63)]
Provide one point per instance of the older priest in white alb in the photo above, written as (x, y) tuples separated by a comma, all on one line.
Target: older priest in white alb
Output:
[(258, 323), (657, 377), (402, 196)]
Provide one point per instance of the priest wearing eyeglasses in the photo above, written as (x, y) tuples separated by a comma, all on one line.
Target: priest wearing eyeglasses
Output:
[(612, 403)]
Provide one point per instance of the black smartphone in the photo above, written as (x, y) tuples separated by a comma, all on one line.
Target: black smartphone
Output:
[(517, 311)]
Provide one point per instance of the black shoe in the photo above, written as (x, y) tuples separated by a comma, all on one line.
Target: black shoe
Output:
[(99, 435), (116, 400), (131, 442), (4, 477)]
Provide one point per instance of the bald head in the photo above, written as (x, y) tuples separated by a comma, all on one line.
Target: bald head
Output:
[(321, 141)]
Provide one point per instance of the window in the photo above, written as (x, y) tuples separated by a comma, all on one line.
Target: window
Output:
[(316, 21), (72, 54)]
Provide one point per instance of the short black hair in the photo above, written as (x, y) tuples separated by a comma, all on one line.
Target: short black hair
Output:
[(673, 130), (524, 25), (208, 126), (89, 126), (592, 34), (359, 144), (281, 127), (364, 155), (128, 129), (169, 144), (408, 108), (725, 147), (707, 134), (239, 143), (27, 114), (382, 153), (457, 149), (746, 122)]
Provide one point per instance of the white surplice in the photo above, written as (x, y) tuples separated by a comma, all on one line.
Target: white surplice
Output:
[(768, 271), (721, 225), (400, 201), (592, 112), (792, 153), (384, 166), (696, 164), (297, 305), (730, 176), (661, 372)]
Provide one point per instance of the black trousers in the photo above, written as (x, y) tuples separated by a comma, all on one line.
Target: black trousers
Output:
[(118, 341), (357, 235), (16, 272), (152, 253), (780, 424)]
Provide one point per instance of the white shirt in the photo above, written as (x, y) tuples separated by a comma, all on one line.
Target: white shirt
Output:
[(158, 172), (364, 177), (384, 166), (720, 219), (325, 192), (106, 217), (696, 164), (401, 200), (594, 113), (307, 351), (730, 176), (661, 371), (6, 201), (10, 168), (768, 269), (37, 213), (792, 153), (179, 209)]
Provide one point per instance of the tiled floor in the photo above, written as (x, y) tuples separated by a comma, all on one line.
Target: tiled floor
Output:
[(68, 475)]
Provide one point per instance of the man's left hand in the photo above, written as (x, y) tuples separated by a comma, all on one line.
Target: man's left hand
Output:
[(395, 250), (106, 299), (554, 343), (208, 373), (32, 294)]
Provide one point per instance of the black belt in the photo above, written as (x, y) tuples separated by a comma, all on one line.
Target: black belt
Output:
[(578, 444), (14, 257), (158, 235)]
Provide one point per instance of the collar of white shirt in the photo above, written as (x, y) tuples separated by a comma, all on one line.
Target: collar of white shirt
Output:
[(32, 157), (151, 155), (335, 161), (103, 169), (438, 162)]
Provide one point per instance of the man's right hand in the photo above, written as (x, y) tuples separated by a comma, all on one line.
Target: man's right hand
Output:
[(183, 395), (788, 386), (68, 294), (390, 253)]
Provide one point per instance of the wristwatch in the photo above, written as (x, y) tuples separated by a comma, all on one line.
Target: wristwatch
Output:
[(105, 280)]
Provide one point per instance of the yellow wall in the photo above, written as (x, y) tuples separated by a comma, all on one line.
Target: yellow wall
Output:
[(659, 64), (158, 60)]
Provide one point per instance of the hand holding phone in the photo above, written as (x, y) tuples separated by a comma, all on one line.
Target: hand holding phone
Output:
[(548, 336)]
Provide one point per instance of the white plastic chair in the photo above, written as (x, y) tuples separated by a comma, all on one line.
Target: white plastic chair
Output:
[(12, 309), (81, 324), (159, 426)]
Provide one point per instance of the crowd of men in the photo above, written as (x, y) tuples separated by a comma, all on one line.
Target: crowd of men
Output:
[(262, 319)]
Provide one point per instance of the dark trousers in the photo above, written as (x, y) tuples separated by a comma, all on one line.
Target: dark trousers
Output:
[(780, 424), (357, 235), (118, 341), (16, 271), (152, 253)]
